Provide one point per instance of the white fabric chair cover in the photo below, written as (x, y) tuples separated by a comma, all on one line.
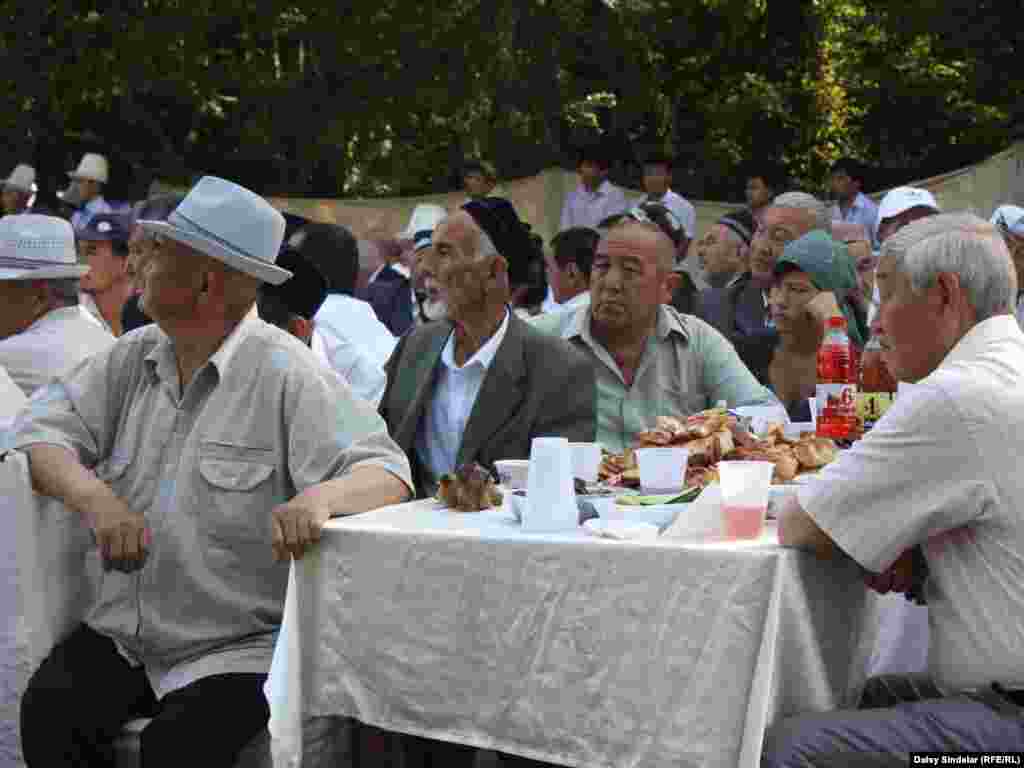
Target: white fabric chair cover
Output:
[(51, 574)]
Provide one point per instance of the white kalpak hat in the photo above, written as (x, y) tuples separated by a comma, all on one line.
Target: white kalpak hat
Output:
[(229, 223), (901, 199), (424, 216), (37, 247), (1009, 218), (92, 167), (23, 178)]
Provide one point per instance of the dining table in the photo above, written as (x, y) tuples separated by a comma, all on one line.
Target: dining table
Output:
[(564, 647)]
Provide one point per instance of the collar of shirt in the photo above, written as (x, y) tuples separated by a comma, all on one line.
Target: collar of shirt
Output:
[(56, 315), (577, 301), (579, 327), (92, 311), (164, 364), (972, 344), (483, 356), (319, 348)]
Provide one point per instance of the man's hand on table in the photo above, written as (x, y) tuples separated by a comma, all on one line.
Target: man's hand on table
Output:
[(296, 526), (906, 575), (120, 533)]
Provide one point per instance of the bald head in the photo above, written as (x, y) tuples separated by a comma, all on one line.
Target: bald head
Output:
[(649, 239)]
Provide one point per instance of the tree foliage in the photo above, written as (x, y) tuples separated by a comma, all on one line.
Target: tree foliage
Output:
[(357, 98)]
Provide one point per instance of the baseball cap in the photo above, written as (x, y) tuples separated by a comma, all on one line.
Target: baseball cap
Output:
[(901, 199), (108, 227), (1009, 218)]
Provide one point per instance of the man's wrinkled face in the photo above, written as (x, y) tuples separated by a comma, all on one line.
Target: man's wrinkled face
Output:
[(718, 253), (139, 245), (169, 283), (461, 273), (657, 179), (759, 194), (105, 268), (20, 305), (778, 227), (905, 325), (630, 277)]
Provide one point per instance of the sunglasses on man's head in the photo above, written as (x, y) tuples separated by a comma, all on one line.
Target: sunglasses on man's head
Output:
[(661, 217)]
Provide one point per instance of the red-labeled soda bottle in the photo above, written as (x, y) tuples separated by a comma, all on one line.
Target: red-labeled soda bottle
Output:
[(836, 393)]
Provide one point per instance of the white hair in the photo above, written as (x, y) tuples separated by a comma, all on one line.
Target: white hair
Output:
[(965, 245), (811, 204)]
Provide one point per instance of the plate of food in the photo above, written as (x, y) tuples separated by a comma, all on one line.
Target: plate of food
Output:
[(715, 435), (470, 488)]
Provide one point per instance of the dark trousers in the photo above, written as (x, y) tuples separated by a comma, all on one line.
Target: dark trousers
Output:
[(85, 691), (898, 716)]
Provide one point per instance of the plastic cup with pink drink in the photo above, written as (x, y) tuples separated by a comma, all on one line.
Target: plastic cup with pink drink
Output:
[(745, 489)]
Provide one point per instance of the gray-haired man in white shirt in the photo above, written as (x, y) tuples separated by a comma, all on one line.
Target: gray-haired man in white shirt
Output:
[(939, 471), (43, 330)]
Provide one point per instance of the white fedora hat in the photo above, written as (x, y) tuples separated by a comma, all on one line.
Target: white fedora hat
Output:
[(424, 216), (37, 247), (92, 167), (230, 224), (23, 177)]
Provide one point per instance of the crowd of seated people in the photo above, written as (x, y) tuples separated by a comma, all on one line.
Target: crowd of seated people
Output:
[(190, 352)]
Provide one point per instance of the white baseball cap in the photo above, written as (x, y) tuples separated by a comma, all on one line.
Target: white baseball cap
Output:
[(1009, 218), (901, 199)]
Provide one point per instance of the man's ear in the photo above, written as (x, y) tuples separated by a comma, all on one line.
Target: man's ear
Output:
[(301, 328), (669, 286)]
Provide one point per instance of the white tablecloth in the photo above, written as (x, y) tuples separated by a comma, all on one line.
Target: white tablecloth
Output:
[(564, 648)]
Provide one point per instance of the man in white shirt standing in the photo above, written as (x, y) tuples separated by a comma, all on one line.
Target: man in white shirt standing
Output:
[(939, 471), (852, 205), (88, 180), (568, 263), (596, 198), (293, 305), (1009, 219), (334, 252), (657, 181), (43, 330)]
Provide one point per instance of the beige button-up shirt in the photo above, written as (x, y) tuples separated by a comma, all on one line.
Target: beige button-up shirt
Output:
[(687, 366), (261, 421)]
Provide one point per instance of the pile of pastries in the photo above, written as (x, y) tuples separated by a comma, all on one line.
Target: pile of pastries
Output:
[(713, 435)]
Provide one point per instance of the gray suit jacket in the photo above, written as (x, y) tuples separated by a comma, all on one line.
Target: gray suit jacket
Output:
[(537, 386)]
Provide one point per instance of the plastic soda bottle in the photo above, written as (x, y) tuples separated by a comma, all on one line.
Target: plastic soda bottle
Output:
[(836, 393)]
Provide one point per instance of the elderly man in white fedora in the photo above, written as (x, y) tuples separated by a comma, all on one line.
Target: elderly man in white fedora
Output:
[(43, 330), (88, 180), (19, 190), (203, 450)]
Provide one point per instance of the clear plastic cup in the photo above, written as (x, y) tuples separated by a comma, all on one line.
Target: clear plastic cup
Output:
[(662, 470), (513, 473), (745, 490), (586, 460)]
